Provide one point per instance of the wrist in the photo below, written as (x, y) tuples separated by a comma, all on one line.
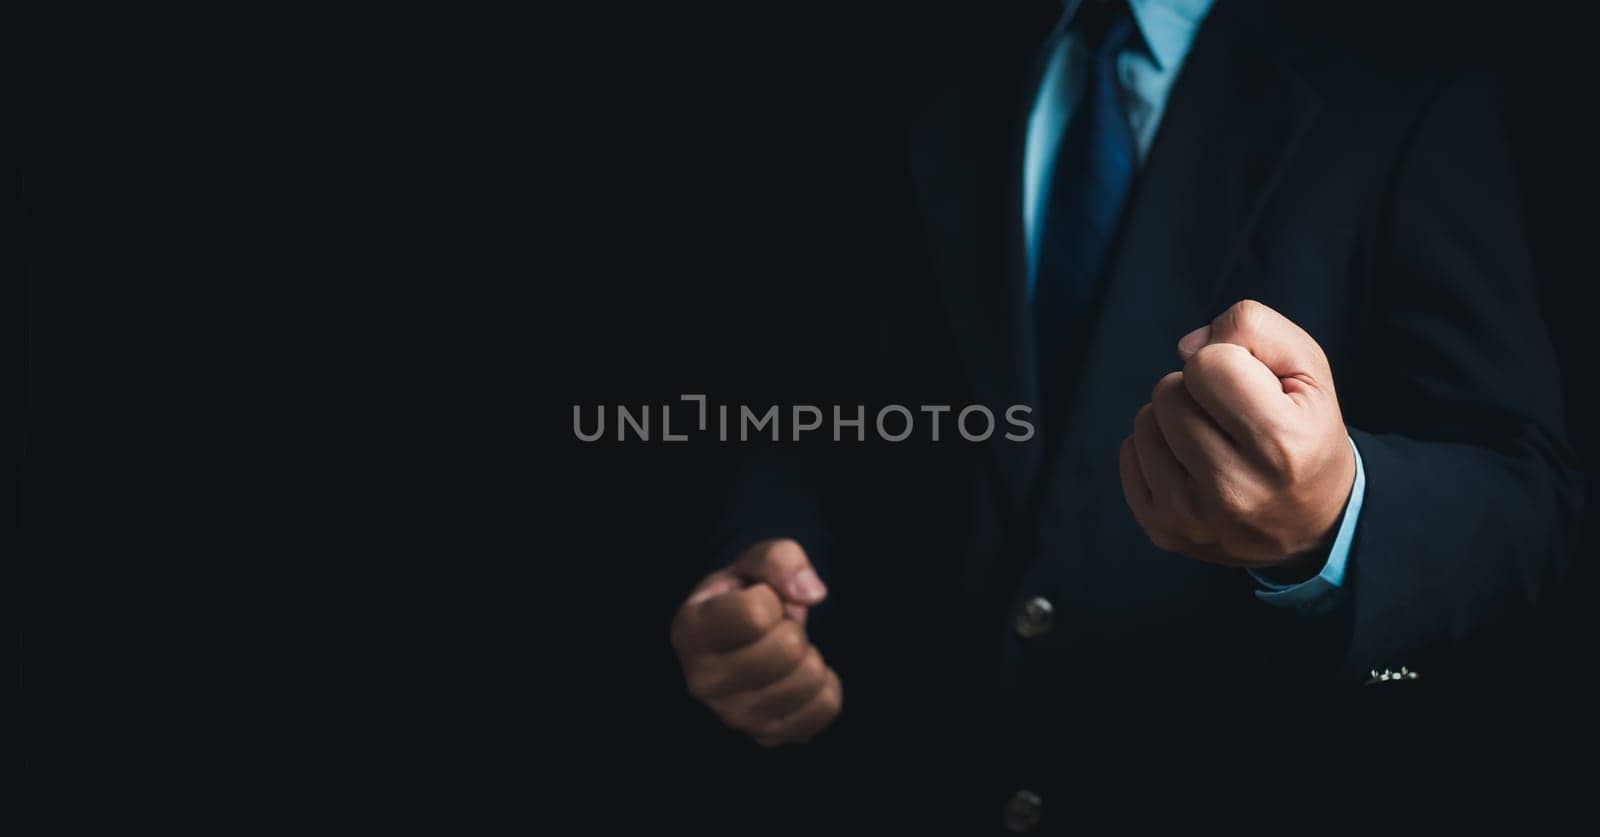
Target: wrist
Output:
[(1305, 565), (1296, 569)]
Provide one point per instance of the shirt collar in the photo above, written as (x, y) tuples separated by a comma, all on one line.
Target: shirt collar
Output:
[(1167, 27)]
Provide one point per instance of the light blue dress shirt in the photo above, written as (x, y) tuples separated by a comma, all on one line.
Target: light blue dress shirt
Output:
[(1146, 71)]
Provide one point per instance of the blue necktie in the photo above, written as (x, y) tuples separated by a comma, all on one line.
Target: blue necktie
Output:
[(1094, 168)]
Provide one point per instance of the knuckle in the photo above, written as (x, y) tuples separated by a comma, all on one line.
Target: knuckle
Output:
[(678, 634), (1216, 360), (784, 551), (748, 614), (687, 630), (768, 728), (832, 699), (791, 642), (1322, 360), (1280, 456), (1161, 539), (750, 722), (1247, 315), (1165, 388), (729, 719), (757, 610), (1141, 514), (702, 684), (812, 668), (1210, 483), (1205, 359), (1144, 421), (1234, 501), (1193, 528), (1197, 533)]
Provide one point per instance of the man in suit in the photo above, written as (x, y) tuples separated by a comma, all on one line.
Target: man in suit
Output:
[(1299, 429)]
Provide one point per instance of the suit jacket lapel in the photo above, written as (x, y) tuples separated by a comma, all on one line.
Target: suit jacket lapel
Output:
[(1231, 124), (965, 153)]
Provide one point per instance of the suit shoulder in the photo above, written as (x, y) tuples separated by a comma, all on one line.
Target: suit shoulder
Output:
[(1368, 58)]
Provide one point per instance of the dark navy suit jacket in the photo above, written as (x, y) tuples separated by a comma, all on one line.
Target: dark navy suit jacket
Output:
[(1369, 199)]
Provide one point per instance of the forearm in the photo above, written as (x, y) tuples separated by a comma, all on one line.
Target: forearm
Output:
[(771, 494)]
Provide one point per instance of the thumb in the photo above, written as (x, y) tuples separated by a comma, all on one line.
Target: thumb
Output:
[(783, 565), (1277, 342)]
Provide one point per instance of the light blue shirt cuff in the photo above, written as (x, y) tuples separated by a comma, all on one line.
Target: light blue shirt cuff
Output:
[(1324, 592)]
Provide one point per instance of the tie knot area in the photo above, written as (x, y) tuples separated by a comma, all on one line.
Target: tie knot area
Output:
[(1104, 26)]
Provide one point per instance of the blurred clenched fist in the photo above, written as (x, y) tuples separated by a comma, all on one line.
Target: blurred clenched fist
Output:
[(1242, 458), (741, 639)]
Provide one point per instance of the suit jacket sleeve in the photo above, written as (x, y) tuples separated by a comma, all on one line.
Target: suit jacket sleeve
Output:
[(1472, 490), (772, 495)]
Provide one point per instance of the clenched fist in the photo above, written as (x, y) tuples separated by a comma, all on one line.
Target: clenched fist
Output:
[(741, 639), (1242, 458)]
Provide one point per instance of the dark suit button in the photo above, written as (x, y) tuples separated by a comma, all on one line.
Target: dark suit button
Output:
[(1034, 617), (1022, 811)]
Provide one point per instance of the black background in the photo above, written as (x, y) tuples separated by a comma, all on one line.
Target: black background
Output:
[(299, 307)]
